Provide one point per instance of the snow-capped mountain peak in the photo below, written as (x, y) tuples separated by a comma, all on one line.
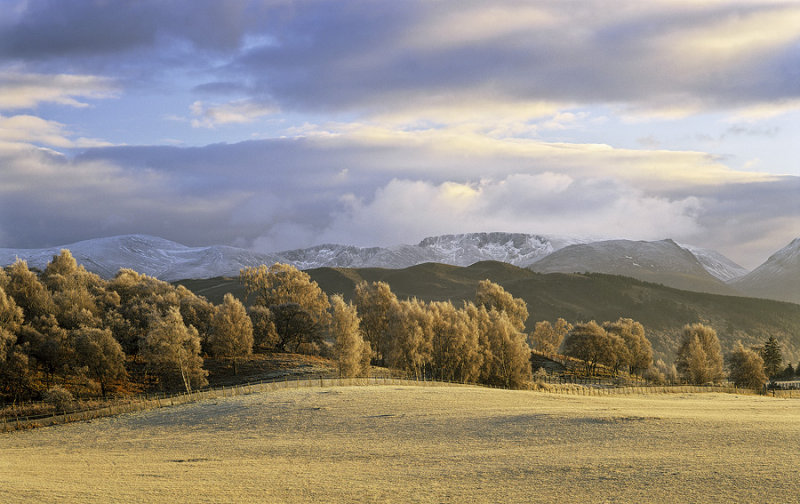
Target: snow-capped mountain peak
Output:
[(514, 248), (171, 261), (715, 263)]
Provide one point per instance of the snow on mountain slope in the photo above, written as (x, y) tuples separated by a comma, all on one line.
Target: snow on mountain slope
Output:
[(663, 262), (716, 264), (458, 250), (778, 278), (170, 261), (513, 248), (150, 255)]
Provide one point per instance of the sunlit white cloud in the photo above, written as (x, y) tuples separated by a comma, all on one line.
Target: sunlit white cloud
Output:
[(19, 90), (736, 35), (28, 129), (403, 210), (210, 115)]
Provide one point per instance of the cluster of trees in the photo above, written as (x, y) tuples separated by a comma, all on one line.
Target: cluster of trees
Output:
[(620, 345), (481, 341), (771, 354), (66, 324), (700, 361)]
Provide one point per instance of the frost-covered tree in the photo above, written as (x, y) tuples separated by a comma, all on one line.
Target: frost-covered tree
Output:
[(492, 296), (297, 329), (173, 350), (547, 338), (377, 306), (661, 373), (508, 356), (265, 336), (637, 352), (28, 292), (300, 310), (231, 331), (588, 342), (140, 297), (15, 373), (746, 367), (79, 296), (11, 316), (699, 358), (49, 346), (101, 354), (196, 311), (409, 334), (455, 354), (14, 365), (351, 352)]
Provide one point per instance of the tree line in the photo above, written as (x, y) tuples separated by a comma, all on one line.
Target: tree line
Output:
[(65, 324)]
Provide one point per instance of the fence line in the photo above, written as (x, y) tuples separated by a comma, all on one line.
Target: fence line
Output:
[(152, 401)]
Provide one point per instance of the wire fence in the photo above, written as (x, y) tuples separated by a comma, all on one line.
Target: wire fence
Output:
[(557, 385)]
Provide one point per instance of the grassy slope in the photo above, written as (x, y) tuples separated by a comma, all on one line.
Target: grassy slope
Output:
[(575, 297), (417, 444)]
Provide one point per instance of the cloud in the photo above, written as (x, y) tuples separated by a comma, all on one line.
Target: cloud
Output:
[(236, 112), (48, 29), (406, 118), (19, 90), (29, 129), (405, 210), (48, 199), (663, 58), (290, 193), (433, 61)]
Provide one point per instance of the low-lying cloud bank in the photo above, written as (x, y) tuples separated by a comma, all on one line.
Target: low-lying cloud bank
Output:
[(281, 194)]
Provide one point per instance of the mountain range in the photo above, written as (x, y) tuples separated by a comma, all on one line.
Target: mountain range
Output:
[(665, 262)]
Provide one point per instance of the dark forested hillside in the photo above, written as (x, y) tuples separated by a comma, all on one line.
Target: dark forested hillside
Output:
[(576, 297)]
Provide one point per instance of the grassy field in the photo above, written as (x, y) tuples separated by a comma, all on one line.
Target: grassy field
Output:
[(418, 444)]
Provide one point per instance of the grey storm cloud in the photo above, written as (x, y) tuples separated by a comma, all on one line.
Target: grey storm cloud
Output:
[(364, 55), (48, 29)]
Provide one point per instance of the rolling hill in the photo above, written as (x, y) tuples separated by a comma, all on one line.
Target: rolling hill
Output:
[(575, 297)]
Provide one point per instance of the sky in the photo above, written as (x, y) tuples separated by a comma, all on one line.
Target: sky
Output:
[(281, 124)]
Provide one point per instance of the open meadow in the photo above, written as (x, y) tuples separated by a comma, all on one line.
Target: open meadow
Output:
[(418, 444)]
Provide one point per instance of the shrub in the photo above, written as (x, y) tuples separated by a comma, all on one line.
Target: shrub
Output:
[(58, 397)]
